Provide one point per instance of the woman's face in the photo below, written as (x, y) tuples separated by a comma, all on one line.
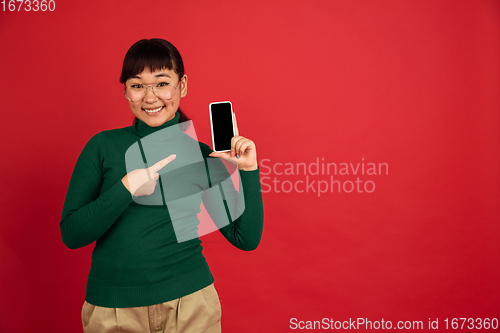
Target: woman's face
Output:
[(152, 110)]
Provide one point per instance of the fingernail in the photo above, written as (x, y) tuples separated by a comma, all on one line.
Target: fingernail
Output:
[(237, 156)]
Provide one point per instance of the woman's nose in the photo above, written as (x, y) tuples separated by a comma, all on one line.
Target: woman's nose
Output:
[(150, 95)]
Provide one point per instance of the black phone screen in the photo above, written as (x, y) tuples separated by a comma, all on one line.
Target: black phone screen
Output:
[(222, 125)]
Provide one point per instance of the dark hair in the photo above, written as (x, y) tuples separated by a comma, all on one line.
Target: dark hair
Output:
[(155, 54)]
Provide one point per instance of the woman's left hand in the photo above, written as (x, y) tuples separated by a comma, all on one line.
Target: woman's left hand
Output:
[(243, 147)]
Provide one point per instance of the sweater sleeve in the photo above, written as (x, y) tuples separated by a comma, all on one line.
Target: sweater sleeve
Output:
[(245, 232), (87, 214)]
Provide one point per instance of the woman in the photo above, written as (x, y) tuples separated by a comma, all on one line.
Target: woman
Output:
[(142, 278)]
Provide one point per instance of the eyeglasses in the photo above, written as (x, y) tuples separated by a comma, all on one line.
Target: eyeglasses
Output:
[(163, 90)]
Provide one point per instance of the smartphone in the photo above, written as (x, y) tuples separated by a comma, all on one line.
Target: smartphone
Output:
[(221, 121)]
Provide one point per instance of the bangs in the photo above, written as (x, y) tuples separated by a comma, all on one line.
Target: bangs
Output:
[(150, 54)]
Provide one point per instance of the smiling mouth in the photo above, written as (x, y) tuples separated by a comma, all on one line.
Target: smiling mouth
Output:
[(154, 110)]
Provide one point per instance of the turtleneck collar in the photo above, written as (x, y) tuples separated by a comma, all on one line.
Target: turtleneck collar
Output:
[(142, 129)]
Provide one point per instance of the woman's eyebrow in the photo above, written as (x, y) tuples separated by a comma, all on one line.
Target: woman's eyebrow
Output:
[(157, 75), (162, 75)]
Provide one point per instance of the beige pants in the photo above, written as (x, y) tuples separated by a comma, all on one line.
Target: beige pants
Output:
[(197, 312)]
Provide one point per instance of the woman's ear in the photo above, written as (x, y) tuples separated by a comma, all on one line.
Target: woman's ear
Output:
[(184, 85)]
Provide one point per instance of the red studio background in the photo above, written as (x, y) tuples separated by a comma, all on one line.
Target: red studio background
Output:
[(402, 96)]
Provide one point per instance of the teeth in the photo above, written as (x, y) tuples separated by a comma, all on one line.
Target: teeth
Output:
[(153, 111)]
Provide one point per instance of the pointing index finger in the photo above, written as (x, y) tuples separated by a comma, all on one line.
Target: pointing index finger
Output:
[(160, 164)]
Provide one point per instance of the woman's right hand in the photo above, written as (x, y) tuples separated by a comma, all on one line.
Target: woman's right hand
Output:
[(143, 181)]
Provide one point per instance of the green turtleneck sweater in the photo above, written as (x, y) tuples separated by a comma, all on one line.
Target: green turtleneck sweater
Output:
[(137, 259)]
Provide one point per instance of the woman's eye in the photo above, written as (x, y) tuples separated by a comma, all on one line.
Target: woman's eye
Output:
[(136, 86), (162, 84)]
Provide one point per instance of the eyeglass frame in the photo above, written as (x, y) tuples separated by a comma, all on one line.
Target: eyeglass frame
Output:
[(146, 92)]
